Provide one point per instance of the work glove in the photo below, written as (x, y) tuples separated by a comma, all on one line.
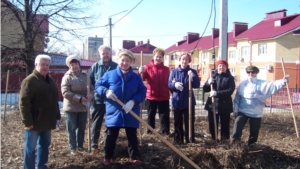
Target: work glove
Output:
[(210, 81), (58, 123), (128, 106), (235, 114), (212, 93), (141, 69), (286, 79), (191, 74), (110, 94), (178, 86)]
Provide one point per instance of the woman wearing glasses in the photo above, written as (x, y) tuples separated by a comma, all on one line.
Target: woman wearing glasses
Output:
[(223, 87), (249, 103)]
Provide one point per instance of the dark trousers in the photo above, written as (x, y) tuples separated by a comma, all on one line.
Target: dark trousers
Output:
[(110, 143), (225, 125), (97, 119), (164, 115), (181, 116), (239, 125)]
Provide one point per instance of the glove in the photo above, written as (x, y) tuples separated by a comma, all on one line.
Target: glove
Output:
[(141, 69), (178, 86), (110, 94), (286, 79), (191, 74), (210, 81), (128, 106), (212, 93), (235, 114), (58, 123)]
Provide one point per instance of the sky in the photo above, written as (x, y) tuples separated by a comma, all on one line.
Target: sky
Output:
[(164, 22)]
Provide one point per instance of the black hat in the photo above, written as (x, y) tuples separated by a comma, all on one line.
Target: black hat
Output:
[(252, 68)]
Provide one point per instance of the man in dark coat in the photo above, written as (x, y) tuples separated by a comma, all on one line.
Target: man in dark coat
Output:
[(223, 87), (40, 111)]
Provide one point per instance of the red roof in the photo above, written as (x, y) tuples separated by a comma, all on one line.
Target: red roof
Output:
[(204, 43), (266, 29)]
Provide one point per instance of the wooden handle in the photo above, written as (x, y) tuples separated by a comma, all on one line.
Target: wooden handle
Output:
[(288, 91), (88, 111), (159, 136), (190, 110), (214, 113)]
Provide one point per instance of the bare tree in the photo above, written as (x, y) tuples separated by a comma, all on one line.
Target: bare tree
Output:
[(25, 24)]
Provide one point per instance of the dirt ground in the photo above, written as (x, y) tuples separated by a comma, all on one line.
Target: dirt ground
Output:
[(277, 147)]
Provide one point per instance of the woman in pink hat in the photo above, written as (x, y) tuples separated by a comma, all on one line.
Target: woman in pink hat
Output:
[(223, 87)]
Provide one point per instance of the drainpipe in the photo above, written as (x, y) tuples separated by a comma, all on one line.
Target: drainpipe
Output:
[(250, 61)]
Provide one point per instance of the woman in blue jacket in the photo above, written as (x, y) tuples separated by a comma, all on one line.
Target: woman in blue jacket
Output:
[(179, 84), (127, 86)]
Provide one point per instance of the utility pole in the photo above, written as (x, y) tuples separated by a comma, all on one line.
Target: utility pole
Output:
[(110, 25), (223, 42), (110, 34)]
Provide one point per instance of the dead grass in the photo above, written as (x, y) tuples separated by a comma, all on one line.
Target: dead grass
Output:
[(277, 147)]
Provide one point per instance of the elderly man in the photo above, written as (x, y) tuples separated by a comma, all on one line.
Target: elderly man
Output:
[(40, 111), (98, 69), (249, 102)]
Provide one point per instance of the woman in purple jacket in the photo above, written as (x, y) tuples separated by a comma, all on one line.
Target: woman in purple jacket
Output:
[(127, 86), (179, 84)]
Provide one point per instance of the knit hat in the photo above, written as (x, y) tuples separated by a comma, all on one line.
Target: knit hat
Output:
[(185, 54), (127, 53), (252, 68), (72, 57), (224, 62)]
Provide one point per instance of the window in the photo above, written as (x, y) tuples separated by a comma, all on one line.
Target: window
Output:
[(205, 55), (205, 71), (232, 71), (173, 56), (245, 51), (262, 49), (232, 54)]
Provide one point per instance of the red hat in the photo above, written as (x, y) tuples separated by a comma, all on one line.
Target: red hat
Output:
[(224, 62), (185, 54)]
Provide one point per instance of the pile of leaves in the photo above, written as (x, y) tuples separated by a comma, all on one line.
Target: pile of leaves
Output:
[(277, 147)]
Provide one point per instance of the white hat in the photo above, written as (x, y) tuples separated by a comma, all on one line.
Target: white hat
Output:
[(72, 57), (127, 53)]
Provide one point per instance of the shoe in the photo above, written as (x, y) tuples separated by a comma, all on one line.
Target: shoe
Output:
[(73, 152), (106, 162), (136, 162)]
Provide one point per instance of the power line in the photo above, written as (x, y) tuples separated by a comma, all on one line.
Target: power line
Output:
[(128, 12)]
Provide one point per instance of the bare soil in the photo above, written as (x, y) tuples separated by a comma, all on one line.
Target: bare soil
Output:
[(277, 147)]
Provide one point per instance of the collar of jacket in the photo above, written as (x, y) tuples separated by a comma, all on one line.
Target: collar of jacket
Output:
[(39, 75), (185, 69), (129, 74), (152, 63)]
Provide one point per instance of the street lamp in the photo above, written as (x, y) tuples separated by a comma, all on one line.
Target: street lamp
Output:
[(297, 63), (110, 24)]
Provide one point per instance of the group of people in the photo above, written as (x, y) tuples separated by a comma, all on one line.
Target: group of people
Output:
[(112, 83)]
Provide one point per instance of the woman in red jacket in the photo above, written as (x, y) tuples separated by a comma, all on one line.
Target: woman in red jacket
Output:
[(156, 75)]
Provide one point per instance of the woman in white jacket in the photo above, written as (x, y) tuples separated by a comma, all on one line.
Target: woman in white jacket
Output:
[(249, 102)]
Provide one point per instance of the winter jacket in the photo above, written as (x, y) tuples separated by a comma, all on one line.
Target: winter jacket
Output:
[(73, 87), (156, 77), (130, 88), (38, 102), (96, 72), (224, 85), (180, 99), (252, 94)]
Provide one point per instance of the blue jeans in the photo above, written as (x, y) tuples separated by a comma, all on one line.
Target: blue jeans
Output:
[(75, 123), (42, 140)]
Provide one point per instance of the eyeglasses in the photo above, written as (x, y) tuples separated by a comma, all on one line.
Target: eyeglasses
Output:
[(248, 72)]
